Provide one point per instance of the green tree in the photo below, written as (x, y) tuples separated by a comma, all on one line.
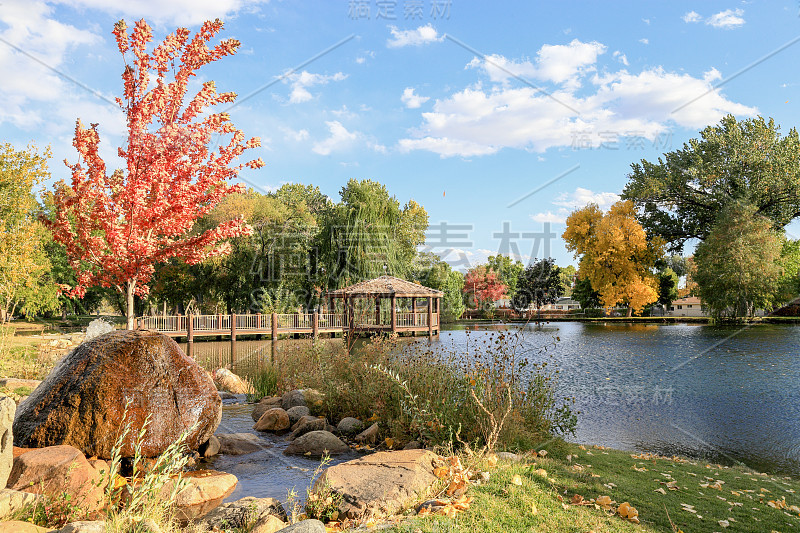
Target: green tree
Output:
[(680, 196), (433, 272), (739, 265), (585, 295), (25, 278), (667, 286), (509, 271), (790, 281), (538, 285), (368, 234), (567, 278)]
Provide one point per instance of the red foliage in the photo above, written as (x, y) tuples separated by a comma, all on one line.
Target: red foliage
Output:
[(117, 227), (484, 285)]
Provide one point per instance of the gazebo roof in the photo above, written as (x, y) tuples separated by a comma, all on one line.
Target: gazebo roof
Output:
[(387, 286)]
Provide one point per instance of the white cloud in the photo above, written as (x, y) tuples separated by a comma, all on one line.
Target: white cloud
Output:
[(730, 18), (297, 136), (422, 35), (339, 139), (183, 12), (361, 60), (692, 16), (412, 100), (581, 197), (622, 58), (549, 216), (479, 121), (302, 81), (644, 40)]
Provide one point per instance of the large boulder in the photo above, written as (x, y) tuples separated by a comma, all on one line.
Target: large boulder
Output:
[(310, 398), (317, 444), (265, 405), (241, 512), (203, 491), (118, 378), (13, 501), (229, 382), (7, 410), (84, 526), (17, 526), (309, 425), (56, 470), (305, 526), (381, 483), (297, 412), (349, 425), (240, 443), (275, 419)]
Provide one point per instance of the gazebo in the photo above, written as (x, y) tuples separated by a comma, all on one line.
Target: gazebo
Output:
[(388, 304)]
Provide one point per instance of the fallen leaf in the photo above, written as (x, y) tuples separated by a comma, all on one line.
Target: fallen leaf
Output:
[(724, 523), (516, 480), (660, 490)]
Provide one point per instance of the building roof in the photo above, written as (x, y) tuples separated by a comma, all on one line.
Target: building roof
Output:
[(688, 300), (387, 286)]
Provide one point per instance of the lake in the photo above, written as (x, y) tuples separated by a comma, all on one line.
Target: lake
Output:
[(724, 394)]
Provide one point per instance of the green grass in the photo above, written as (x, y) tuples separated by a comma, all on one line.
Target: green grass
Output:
[(19, 358), (542, 503)]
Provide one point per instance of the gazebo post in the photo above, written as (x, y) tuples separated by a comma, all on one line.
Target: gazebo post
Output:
[(414, 313), (430, 317), (377, 310), (394, 313)]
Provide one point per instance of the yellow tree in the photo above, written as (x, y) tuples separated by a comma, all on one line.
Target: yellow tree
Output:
[(24, 266), (615, 255)]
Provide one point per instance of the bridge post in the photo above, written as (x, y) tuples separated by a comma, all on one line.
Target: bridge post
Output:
[(189, 329), (394, 313), (315, 324), (430, 317), (274, 326), (233, 340)]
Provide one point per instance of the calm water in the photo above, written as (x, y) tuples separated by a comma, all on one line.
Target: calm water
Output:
[(724, 394)]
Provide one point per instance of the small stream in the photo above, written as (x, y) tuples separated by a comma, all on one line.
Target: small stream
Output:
[(267, 473)]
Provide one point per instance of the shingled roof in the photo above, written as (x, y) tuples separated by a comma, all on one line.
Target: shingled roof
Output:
[(387, 286)]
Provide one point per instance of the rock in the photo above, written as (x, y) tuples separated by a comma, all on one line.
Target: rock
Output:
[(7, 410), (293, 398), (268, 524), (383, 482), (349, 425), (96, 526), (12, 501), (264, 405), (224, 395), (242, 512), (297, 412), (303, 420), (210, 448), (368, 435), (12, 384), (58, 469), (83, 400), (508, 456), (17, 526), (413, 445), (204, 491), (275, 419), (240, 443), (317, 444), (305, 526), (306, 397), (229, 382), (96, 328), (314, 424)]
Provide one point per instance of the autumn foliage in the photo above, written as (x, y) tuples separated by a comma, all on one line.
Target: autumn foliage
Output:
[(116, 226), (615, 254), (483, 285)]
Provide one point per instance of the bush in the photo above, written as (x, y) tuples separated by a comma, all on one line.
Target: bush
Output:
[(263, 383), (494, 393)]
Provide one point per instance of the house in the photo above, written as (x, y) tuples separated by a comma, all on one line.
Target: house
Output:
[(689, 306), (562, 304)]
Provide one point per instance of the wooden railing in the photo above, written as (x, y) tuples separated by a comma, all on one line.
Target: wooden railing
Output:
[(412, 320), (295, 321)]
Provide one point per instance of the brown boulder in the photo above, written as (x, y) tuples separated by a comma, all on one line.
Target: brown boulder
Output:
[(203, 491), (265, 405), (275, 419), (317, 444), (83, 401), (17, 526), (314, 424), (56, 470), (240, 443), (227, 381), (381, 483)]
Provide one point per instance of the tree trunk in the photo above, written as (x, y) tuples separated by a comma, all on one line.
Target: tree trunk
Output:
[(130, 311), (630, 312)]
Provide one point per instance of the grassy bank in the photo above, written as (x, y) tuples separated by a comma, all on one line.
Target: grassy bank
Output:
[(670, 495)]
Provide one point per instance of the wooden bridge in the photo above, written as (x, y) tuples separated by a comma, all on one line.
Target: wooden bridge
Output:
[(276, 324), (384, 304)]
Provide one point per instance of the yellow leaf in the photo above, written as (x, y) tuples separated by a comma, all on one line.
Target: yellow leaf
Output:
[(389, 442), (516, 480), (441, 472)]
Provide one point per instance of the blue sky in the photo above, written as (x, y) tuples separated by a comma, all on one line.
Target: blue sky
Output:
[(491, 115)]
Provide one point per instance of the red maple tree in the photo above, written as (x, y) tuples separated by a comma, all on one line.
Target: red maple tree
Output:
[(484, 285), (117, 227)]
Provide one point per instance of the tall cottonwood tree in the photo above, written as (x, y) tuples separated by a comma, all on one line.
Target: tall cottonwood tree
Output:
[(615, 254), (117, 226)]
